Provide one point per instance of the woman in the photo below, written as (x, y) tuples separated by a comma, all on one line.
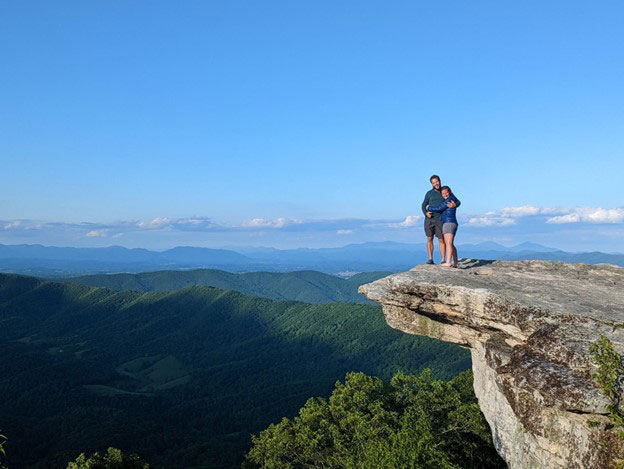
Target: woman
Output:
[(449, 225)]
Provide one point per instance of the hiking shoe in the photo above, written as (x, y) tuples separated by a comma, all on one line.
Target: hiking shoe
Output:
[(430, 261)]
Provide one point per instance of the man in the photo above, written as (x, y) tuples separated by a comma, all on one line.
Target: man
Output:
[(433, 221)]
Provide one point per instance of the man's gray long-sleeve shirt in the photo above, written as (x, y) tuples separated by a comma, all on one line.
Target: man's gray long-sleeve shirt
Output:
[(434, 198)]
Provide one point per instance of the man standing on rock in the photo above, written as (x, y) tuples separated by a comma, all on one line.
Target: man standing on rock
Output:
[(433, 221)]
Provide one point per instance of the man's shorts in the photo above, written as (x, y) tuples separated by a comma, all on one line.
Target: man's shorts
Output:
[(450, 228), (433, 227)]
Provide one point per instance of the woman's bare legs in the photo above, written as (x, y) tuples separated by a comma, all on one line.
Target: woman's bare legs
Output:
[(450, 249)]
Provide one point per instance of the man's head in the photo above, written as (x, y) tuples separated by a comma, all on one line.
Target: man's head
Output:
[(435, 181)]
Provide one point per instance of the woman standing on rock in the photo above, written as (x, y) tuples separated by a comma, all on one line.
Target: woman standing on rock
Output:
[(449, 225)]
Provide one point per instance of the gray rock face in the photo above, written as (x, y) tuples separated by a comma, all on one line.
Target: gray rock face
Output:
[(529, 326)]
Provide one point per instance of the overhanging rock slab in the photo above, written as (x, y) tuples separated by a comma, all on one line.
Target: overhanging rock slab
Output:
[(529, 326)]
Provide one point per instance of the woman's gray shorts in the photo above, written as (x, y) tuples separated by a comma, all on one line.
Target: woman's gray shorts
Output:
[(449, 228)]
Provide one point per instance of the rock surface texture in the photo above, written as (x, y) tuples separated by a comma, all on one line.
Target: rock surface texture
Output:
[(529, 326)]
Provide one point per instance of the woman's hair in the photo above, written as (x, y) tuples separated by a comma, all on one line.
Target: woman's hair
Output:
[(446, 188)]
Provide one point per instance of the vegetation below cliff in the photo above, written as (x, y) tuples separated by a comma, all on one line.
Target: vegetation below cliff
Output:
[(414, 421)]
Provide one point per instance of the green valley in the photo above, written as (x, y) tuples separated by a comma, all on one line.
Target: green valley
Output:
[(182, 377)]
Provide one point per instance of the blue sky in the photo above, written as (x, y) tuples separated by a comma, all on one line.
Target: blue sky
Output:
[(309, 123)]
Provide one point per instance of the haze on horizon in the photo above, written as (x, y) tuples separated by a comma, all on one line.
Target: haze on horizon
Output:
[(290, 124)]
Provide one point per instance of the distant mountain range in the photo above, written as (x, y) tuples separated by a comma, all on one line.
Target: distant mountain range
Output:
[(374, 256), (490, 246), (177, 255)]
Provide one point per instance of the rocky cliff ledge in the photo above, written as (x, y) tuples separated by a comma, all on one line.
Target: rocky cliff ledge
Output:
[(529, 326)]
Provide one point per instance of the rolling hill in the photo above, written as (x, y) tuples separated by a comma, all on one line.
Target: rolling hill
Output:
[(307, 286)]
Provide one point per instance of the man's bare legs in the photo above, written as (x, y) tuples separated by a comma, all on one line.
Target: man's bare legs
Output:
[(442, 243), (430, 248)]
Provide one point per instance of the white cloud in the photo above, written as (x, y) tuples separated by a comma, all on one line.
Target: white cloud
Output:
[(481, 221), (590, 215), (155, 223), (196, 224), (185, 224), (410, 220), (264, 223), (508, 215), (521, 211), (15, 224), (96, 234), (602, 215), (530, 210), (21, 225), (569, 218), (525, 218), (491, 219), (191, 221)]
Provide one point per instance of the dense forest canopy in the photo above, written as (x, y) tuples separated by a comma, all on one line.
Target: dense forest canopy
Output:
[(412, 422)]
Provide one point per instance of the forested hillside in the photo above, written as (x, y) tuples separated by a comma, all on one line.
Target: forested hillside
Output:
[(306, 285), (183, 377)]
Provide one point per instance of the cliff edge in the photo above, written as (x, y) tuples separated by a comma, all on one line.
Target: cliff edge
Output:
[(529, 326)]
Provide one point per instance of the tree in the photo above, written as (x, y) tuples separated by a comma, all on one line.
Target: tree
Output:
[(3, 440), (112, 459), (412, 422)]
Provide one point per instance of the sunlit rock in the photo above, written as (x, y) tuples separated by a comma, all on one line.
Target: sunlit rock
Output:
[(529, 326)]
